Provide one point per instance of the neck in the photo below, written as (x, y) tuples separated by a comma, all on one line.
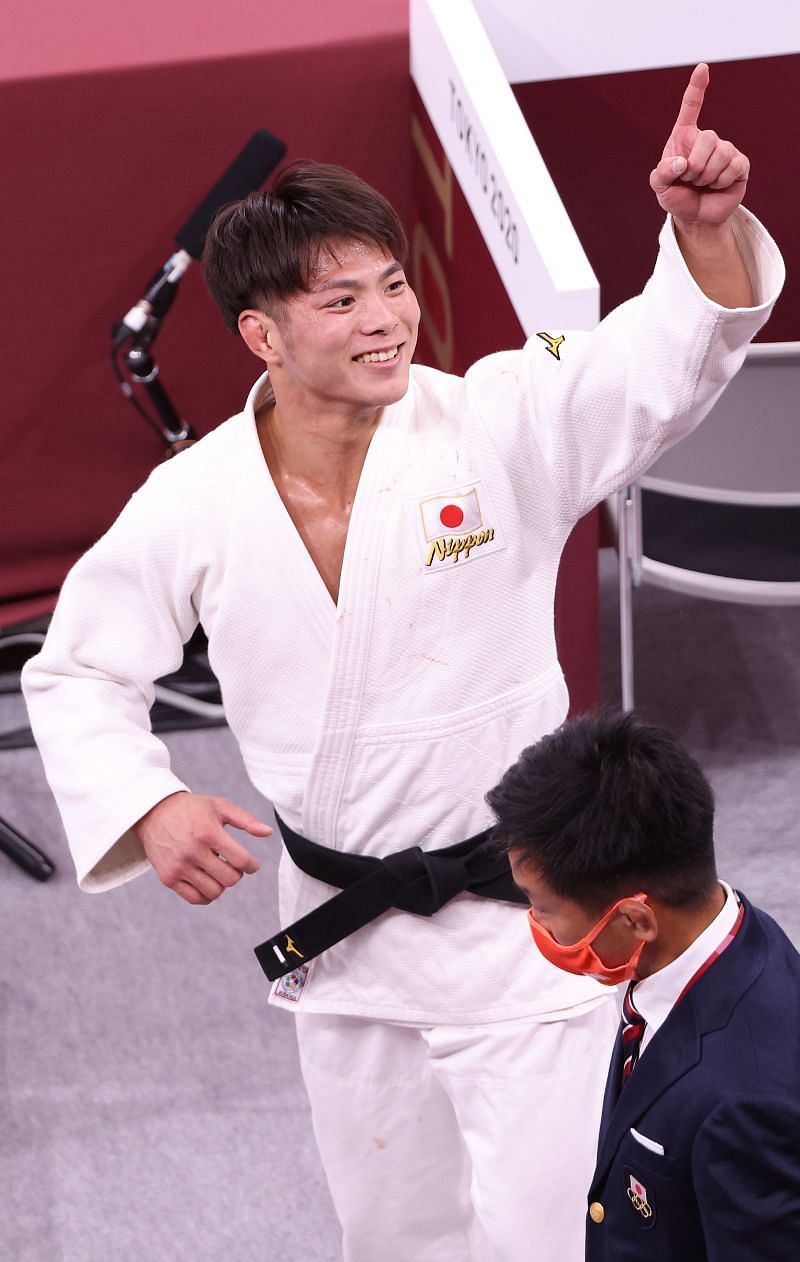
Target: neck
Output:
[(323, 447), (677, 930)]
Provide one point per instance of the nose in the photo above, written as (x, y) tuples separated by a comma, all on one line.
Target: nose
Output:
[(378, 315)]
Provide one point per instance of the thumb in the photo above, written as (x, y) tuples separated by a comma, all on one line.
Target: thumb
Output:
[(230, 813), (668, 171)]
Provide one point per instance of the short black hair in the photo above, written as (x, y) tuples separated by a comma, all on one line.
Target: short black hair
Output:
[(606, 806), (262, 250)]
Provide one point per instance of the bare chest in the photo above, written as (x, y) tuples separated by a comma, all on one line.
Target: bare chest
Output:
[(317, 482), (322, 524)]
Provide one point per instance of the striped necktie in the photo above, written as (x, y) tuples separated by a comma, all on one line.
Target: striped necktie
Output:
[(633, 1024)]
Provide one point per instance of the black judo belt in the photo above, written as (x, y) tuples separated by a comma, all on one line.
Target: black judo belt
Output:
[(413, 880)]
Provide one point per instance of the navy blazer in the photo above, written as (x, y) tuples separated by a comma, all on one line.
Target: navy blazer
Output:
[(718, 1088)]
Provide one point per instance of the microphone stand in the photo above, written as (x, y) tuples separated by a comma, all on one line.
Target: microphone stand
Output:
[(17, 647), (24, 853), (145, 372)]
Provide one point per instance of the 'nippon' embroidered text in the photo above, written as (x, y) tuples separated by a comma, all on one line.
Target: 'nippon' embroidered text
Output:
[(440, 549)]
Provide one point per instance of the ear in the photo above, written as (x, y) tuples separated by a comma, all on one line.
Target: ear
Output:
[(260, 334), (641, 917)]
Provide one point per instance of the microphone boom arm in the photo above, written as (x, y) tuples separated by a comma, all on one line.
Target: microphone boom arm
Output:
[(144, 372)]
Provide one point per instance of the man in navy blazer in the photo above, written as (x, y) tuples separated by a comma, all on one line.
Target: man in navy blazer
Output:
[(609, 828)]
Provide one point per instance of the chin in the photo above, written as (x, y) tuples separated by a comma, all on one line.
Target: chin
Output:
[(393, 391), (394, 396)]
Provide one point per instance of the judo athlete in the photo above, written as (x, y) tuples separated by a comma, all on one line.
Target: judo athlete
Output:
[(371, 547), (610, 825)]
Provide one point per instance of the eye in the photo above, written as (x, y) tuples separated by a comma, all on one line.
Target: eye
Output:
[(396, 286), (341, 304)]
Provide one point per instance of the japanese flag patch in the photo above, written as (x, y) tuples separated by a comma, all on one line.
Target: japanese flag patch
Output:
[(455, 526)]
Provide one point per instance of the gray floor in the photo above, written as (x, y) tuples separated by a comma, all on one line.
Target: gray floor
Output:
[(151, 1108)]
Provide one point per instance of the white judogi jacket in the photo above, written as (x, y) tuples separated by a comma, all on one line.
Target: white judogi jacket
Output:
[(381, 722)]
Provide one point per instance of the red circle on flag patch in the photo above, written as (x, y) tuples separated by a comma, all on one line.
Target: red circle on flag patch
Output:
[(451, 516)]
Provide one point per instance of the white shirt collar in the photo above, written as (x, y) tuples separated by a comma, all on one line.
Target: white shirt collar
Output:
[(655, 996)]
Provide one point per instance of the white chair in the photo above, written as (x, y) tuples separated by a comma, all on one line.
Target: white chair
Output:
[(718, 515)]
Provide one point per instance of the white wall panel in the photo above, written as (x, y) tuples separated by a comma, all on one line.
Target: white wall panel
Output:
[(586, 37), (496, 161)]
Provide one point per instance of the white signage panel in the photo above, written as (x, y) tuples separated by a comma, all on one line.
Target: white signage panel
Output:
[(495, 159), (587, 38)]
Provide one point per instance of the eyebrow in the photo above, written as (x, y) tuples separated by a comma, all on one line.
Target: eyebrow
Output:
[(348, 283)]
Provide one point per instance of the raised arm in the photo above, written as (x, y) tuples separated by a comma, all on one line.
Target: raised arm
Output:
[(700, 181), (596, 408)]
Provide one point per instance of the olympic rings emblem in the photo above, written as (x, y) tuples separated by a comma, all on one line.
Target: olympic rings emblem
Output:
[(637, 1203)]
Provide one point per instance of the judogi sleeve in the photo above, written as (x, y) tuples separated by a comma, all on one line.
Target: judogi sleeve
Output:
[(592, 410), (125, 611)]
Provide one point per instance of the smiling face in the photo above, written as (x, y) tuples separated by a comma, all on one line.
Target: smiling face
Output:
[(348, 340)]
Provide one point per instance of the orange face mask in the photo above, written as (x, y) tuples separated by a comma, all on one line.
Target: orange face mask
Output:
[(580, 957)]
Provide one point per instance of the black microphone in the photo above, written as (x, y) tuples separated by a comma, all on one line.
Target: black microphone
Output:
[(248, 171)]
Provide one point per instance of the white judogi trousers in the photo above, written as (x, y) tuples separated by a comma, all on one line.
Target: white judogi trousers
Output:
[(458, 1143)]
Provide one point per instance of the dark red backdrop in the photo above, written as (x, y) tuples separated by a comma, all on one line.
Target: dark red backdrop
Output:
[(602, 135), (101, 168)]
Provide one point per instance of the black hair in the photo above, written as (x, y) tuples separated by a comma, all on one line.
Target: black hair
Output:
[(606, 806), (262, 249)]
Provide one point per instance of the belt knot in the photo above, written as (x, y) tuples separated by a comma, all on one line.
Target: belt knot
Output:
[(430, 879)]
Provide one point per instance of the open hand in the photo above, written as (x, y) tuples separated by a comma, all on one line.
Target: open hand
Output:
[(700, 179), (186, 842)]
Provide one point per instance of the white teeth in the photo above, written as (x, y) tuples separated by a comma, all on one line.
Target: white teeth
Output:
[(376, 357)]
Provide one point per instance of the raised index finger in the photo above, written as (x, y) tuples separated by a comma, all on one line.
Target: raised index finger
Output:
[(689, 112)]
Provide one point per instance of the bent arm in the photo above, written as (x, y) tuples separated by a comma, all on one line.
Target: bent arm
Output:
[(124, 613), (599, 413), (660, 362)]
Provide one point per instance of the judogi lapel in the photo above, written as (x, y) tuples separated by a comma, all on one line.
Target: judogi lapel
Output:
[(353, 621)]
